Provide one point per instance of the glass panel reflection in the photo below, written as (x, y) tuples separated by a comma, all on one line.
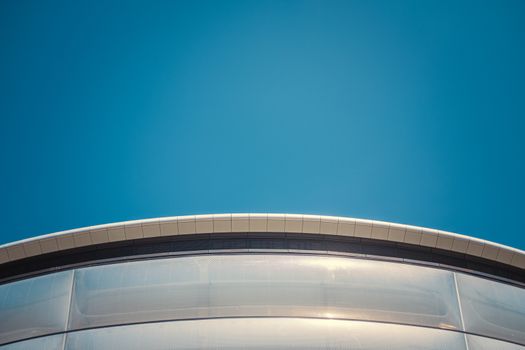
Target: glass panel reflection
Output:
[(482, 343), (53, 342), (493, 309), (34, 306), (266, 333), (263, 285)]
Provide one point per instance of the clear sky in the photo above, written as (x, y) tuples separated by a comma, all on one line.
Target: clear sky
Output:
[(404, 111)]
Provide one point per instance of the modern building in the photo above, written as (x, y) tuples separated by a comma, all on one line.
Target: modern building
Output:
[(264, 281)]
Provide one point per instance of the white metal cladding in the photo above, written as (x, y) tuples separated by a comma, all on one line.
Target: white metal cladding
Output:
[(434, 302), (293, 223)]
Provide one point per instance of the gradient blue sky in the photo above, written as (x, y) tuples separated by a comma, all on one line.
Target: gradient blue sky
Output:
[(404, 111)]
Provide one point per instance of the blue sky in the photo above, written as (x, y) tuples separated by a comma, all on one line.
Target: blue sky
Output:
[(404, 111)]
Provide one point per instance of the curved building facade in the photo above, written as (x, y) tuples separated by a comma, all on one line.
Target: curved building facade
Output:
[(264, 281)]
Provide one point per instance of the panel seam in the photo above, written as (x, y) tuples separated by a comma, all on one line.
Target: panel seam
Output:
[(69, 309), (460, 310)]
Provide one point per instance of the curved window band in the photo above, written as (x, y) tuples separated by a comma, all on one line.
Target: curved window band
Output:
[(267, 285)]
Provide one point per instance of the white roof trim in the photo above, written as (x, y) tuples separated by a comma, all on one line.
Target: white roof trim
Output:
[(292, 223)]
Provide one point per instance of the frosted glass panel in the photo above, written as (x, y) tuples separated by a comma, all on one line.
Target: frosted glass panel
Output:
[(34, 306), (53, 342), (266, 333), (493, 309), (263, 285), (481, 343)]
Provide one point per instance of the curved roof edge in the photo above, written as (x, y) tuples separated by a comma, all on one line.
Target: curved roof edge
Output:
[(287, 223)]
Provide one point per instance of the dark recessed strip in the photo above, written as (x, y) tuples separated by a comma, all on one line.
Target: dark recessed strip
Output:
[(124, 250)]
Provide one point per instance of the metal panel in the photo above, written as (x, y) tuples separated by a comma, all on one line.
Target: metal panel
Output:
[(491, 308), (263, 285), (34, 306), (481, 343), (52, 342), (266, 333)]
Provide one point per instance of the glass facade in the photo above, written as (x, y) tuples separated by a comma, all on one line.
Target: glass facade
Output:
[(266, 333), (263, 285), (50, 342), (491, 308), (34, 306), (260, 301)]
